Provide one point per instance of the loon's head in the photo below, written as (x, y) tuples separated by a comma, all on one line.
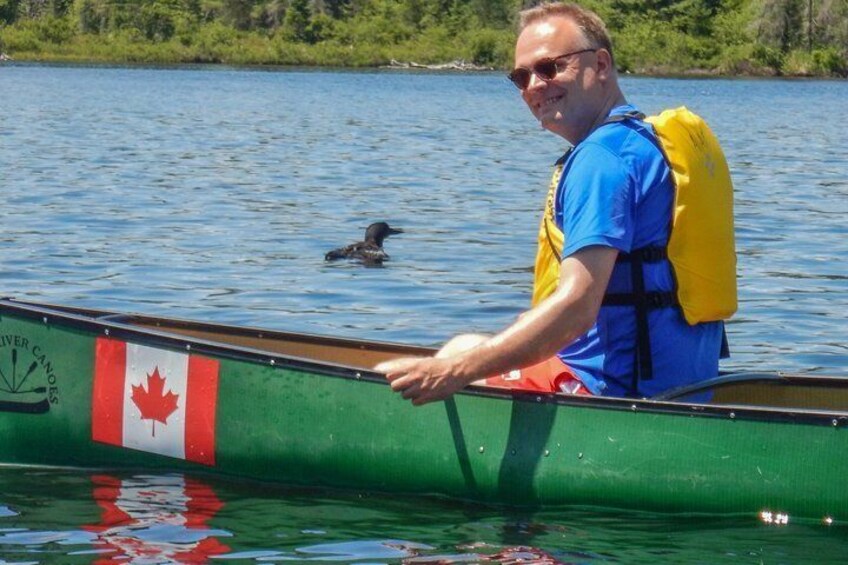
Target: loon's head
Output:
[(379, 231)]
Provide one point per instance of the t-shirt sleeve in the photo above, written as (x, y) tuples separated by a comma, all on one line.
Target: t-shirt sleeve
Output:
[(597, 201)]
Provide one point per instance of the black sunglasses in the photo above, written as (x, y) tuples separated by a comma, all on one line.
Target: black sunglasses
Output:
[(546, 69)]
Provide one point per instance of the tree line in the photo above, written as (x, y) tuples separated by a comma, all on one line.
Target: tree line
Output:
[(770, 37)]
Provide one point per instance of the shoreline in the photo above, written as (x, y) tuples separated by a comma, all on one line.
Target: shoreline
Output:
[(454, 67)]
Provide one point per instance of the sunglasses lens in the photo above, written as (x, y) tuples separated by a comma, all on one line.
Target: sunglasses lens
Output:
[(546, 69), (520, 78)]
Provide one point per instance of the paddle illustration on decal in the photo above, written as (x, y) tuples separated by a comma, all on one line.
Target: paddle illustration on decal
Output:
[(27, 377)]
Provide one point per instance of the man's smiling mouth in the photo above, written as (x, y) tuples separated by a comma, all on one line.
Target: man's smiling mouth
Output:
[(549, 101)]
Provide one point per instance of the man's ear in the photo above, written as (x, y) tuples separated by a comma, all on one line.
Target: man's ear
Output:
[(605, 68)]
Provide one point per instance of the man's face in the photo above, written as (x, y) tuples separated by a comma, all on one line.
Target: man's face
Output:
[(569, 103)]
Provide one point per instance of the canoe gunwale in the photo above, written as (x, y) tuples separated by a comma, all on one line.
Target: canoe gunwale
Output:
[(121, 326), (124, 319)]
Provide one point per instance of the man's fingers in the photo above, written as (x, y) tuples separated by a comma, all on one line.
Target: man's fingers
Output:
[(409, 377), (427, 397), (396, 367), (411, 392), (408, 387), (400, 383)]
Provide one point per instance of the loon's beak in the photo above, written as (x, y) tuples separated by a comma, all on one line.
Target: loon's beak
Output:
[(395, 230)]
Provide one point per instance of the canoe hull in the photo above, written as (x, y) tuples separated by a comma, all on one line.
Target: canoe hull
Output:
[(289, 423)]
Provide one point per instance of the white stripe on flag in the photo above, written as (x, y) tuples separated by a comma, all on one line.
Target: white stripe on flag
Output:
[(145, 434)]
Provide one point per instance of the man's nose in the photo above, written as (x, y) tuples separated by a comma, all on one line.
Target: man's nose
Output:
[(535, 82)]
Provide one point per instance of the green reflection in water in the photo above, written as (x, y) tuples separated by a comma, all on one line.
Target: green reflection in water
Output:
[(64, 516)]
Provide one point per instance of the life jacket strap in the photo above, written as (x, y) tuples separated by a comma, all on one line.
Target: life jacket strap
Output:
[(632, 115), (642, 301), (653, 300), (651, 254), (643, 363), (551, 243)]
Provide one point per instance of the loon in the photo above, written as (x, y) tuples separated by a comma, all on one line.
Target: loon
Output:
[(369, 251)]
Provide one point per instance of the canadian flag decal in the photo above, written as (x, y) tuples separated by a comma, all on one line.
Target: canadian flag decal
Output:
[(154, 400)]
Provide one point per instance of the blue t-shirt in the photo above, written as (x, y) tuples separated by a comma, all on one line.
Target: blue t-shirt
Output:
[(617, 191)]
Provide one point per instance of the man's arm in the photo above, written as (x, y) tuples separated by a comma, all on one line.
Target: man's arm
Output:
[(538, 334)]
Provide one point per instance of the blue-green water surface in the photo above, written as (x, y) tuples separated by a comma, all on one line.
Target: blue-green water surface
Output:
[(213, 193), (50, 516)]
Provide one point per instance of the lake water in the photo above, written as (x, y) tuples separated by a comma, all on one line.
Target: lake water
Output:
[(213, 194)]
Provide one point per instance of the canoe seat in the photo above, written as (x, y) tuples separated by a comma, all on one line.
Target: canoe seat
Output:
[(774, 390)]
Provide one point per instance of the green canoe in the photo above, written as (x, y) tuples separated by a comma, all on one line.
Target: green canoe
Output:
[(87, 388)]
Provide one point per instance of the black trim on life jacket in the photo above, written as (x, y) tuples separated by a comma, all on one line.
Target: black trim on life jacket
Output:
[(653, 299), (643, 301), (551, 243), (649, 254)]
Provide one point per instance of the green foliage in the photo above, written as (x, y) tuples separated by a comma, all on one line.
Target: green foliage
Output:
[(55, 30), (818, 62), (20, 39), (158, 20), (731, 27), (490, 47), (750, 59), (32, 34), (92, 15), (831, 24), (381, 23), (779, 23), (296, 22), (644, 46), (268, 15), (801, 37), (768, 57), (8, 11), (212, 42), (490, 14)]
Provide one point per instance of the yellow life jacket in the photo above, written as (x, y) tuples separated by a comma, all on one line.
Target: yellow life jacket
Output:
[(701, 247), (551, 240)]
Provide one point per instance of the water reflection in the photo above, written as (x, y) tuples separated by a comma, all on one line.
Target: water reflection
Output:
[(150, 519), (511, 556), (75, 518)]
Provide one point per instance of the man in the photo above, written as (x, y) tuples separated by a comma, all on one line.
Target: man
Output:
[(612, 202)]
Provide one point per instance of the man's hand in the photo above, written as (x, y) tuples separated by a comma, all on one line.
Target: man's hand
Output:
[(541, 332), (423, 379)]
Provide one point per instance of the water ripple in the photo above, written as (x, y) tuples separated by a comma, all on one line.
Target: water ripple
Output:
[(214, 194)]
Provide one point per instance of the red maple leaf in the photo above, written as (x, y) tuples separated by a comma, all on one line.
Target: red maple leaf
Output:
[(153, 403)]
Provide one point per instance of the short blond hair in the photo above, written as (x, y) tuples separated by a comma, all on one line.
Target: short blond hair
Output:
[(590, 24)]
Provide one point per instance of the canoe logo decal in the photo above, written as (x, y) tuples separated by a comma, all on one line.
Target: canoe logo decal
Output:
[(28, 381)]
